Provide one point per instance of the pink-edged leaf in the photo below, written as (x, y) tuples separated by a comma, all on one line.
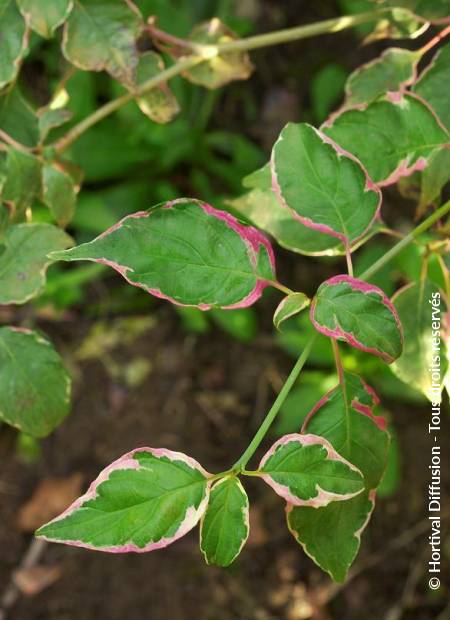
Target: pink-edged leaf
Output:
[(359, 313), (431, 85), (187, 252), (143, 501), (345, 417), (322, 185), (331, 535), (393, 136), (307, 471)]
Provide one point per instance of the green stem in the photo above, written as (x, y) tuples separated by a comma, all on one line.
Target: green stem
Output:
[(182, 65), (295, 372), (425, 225), (270, 417), (203, 53), (335, 24)]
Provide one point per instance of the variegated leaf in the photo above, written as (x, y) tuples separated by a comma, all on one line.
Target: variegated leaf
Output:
[(145, 500)]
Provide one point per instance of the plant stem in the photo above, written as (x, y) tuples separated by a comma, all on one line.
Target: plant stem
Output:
[(182, 65), (295, 372), (261, 432), (434, 217), (205, 52), (300, 32)]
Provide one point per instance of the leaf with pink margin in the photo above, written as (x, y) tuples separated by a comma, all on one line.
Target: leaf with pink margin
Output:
[(323, 186), (306, 471), (393, 136), (187, 252), (143, 501), (331, 535), (345, 417), (395, 69), (359, 313), (431, 85)]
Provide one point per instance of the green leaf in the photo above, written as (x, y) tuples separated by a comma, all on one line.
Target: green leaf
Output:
[(159, 104), (221, 68), (292, 304), (345, 418), (187, 252), (392, 476), (145, 500), (23, 182), (392, 71), (44, 16), (392, 137), (58, 193), (23, 260), (432, 82), (306, 471), (101, 35), (13, 41), (400, 23), (225, 525), (262, 208), (421, 308), (434, 178), (34, 385), (17, 118), (331, 535), (325, 188), (359, 313)]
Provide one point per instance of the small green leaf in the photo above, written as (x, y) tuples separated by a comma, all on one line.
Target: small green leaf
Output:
[(101, 35), (225, 525), (221, 68), (435, 11), (345, 418), (327, 87), (13, 41), (392, 137), (392, 71), (289, 306), (34, 385), (306, 471), (400, 23), (159, 104), (432, 82), (17, 118), (187, 252), (44, 16), (421, 308), (324, 187), (58, 193), (23, 182), (145, 500), (331, 535), (434, 178), (359, 313), (23, 261)]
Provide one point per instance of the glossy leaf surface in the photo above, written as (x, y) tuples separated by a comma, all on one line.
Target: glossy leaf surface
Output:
[(306, 471), (187, 252), (325, 188), (392, 137), (145, 500), (349, 309), (225, 525)]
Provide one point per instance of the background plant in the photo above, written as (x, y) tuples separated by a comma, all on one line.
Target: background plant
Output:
[(314, 198)]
